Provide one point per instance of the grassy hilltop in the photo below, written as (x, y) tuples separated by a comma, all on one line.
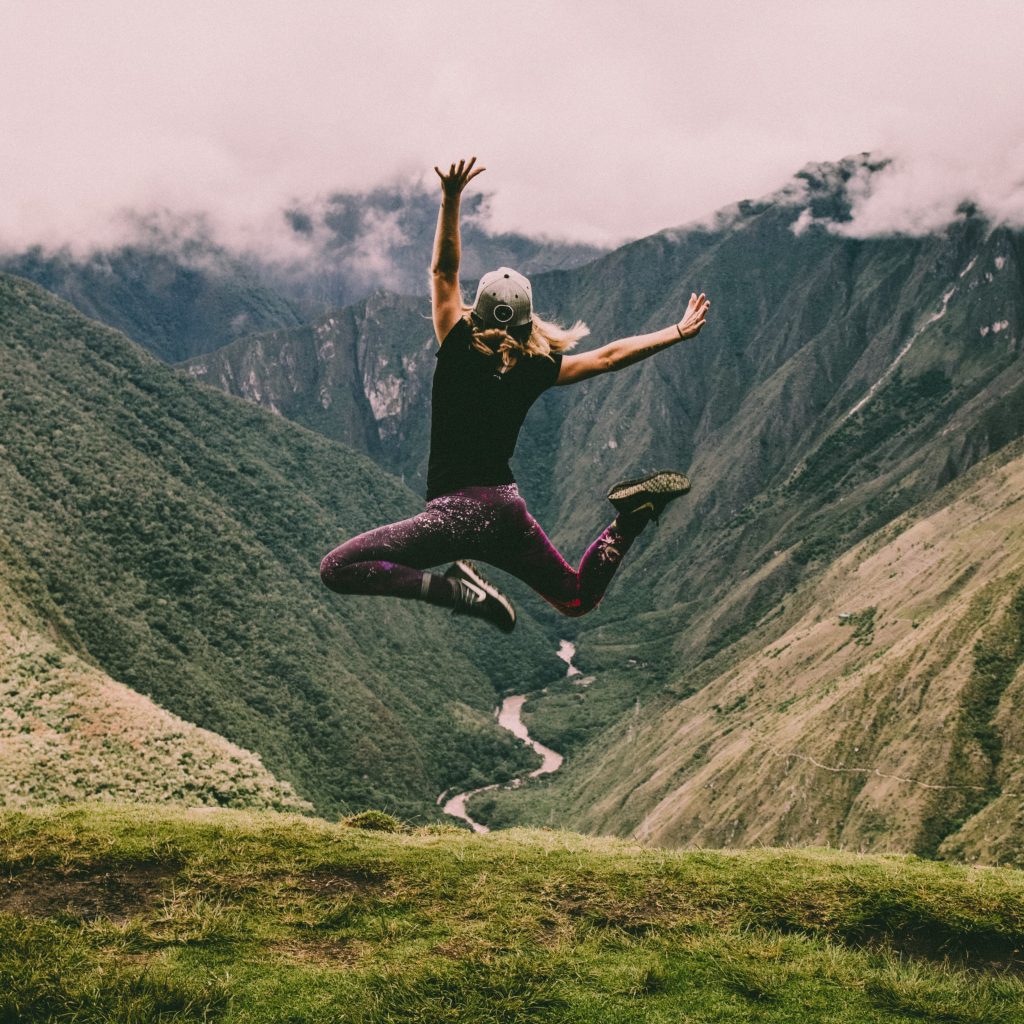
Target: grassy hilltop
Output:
[(144, 914)]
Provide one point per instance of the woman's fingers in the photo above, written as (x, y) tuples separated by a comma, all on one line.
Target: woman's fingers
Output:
[(696, 314), (698, 302), (467, 174), (459, 175)]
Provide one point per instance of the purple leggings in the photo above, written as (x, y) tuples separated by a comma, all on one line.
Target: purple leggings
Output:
[(488, 524)]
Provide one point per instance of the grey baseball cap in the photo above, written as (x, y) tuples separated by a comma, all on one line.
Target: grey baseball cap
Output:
[(504, 299)]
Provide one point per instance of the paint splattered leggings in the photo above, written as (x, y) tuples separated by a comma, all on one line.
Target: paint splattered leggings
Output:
[(487, 524)]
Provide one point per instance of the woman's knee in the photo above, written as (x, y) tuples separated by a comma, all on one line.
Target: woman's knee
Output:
[(327, 568), (334, 562)]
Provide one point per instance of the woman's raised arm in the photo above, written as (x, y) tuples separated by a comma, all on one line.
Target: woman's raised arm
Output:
[(446, 297), (626, 351)]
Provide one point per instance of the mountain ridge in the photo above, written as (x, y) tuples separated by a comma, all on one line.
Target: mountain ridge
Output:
[(178, 291)]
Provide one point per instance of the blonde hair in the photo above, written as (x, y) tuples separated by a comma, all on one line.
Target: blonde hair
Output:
[(545, 337)]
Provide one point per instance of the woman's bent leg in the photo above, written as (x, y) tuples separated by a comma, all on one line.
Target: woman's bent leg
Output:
[(529, 554), (390, 560)]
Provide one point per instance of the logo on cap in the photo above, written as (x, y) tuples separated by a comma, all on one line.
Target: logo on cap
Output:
[(503, 313)]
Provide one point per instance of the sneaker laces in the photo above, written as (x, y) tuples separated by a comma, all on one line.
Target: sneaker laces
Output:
[(466, 595)]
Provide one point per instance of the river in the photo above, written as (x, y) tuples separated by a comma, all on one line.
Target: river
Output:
[(510, 718)]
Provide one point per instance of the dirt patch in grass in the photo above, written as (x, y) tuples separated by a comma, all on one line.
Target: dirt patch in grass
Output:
[(337, 954), (334, 881), (115, 893), (652, 907), (318, 884)]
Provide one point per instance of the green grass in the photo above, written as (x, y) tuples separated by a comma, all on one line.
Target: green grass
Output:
[(141, 914)]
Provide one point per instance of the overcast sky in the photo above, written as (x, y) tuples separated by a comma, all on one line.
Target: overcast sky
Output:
[(596, 120)]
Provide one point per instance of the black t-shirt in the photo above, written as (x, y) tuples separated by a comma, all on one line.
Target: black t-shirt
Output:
[(477, 412)]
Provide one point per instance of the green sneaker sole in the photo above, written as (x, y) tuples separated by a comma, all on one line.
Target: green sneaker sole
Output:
[(657, 487)]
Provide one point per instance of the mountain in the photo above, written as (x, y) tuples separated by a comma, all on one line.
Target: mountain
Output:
[(360, 375), (361, 241), (170, 536), (129, 914), (179, 292), (877, 707), (840, 383), (812, 409), (174, 299)]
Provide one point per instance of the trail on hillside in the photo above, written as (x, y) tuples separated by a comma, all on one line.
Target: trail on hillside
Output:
[(839, 769)]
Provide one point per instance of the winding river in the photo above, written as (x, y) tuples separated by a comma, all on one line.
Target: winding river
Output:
[(510, 718)]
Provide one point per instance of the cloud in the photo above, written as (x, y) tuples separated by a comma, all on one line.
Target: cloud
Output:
[(886, 195), (915, 196), (597, 121)]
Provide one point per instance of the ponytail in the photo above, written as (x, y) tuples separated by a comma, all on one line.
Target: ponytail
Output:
[(545, 337)]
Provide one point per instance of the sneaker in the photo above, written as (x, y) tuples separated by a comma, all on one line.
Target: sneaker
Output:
[(652, 492), (477, 597)]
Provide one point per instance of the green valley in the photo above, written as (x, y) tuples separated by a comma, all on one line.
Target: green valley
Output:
[(846, 392), (170, 536)]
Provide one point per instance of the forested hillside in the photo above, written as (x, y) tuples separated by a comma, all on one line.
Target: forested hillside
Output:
[(170, 536), (174, 300), (70, 732)]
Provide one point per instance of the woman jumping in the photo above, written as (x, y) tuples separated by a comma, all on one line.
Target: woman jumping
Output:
[(494, 360)]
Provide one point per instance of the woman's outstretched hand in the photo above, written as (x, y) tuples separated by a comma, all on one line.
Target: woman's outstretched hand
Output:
[(695, 315), (458, 178)]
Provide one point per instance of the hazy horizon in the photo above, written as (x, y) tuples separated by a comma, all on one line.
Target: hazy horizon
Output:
[(596, 123)]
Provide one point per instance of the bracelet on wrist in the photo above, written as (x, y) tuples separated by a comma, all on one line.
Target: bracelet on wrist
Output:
[(679, 332)]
